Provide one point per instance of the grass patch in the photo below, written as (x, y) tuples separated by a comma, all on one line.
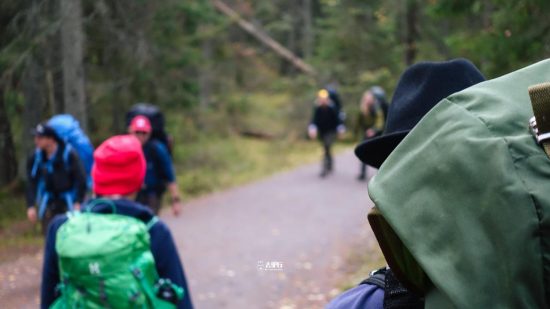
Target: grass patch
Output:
[(18, 235), (215, 164), (12, 208)]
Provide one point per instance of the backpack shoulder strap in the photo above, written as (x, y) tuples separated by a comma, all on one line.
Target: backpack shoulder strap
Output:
[(396, 296), (376, 277), (66, 155), (540, 125), (36, 163), (152, 222)]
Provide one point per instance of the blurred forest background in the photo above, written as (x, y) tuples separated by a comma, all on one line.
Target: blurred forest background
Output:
[(225, 70)]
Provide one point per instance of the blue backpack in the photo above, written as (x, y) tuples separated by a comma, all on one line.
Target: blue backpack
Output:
[(68, 129)]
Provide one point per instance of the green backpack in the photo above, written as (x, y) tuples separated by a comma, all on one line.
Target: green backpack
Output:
[(105, 261), (463, 203)]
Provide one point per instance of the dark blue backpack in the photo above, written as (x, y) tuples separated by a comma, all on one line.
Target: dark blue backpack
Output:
[(68, 129)]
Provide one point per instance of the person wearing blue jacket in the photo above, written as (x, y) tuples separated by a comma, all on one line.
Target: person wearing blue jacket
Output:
[(56, 180), (160, 173), (118, 174)]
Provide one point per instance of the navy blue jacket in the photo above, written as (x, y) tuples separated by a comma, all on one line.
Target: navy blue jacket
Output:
[(363, 296), (162, 246), (160, 169)]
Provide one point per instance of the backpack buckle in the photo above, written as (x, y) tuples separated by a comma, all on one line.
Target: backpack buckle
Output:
[(540, 138)]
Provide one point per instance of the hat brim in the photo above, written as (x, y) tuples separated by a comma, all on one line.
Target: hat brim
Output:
[(35, 133), (374, 151)]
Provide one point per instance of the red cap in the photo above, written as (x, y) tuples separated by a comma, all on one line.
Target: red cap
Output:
[(119, 166), (140, 124)]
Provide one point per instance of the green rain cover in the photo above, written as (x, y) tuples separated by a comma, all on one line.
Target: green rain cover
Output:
[(468, 194), (105, 262)]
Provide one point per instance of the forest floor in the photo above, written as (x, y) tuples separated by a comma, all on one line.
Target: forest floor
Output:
[(292, 240)]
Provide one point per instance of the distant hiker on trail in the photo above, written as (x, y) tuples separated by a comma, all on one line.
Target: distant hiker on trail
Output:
[(115, 253), (370, 119), (160, 170), (421, 87), (56, 178), (325, 125)]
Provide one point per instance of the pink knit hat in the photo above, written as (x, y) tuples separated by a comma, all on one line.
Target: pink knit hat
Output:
[(119, 166)]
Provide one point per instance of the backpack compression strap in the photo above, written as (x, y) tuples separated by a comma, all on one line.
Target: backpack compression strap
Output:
[(540, 125)]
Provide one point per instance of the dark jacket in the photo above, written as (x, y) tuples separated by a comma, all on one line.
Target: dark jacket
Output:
[(162, 246), (64, 176), (326, 119), (160, 170)]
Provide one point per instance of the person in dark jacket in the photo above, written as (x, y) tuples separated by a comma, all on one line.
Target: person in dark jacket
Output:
[(55, 176), (325, 125), (419, 89), (160, 170), (117, 175)]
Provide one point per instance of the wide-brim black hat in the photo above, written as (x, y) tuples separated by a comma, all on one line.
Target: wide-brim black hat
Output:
[(419, 89)]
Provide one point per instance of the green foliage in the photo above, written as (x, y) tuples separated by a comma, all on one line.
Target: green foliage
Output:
[(502, 36), (163, 51)]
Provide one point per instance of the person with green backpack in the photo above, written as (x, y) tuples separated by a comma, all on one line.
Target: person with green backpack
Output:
[(462, 205), (421, 87), (115, 253)]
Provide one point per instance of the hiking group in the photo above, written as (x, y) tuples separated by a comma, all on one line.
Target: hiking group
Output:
[(114, 252), (328, 122), (461, 201)]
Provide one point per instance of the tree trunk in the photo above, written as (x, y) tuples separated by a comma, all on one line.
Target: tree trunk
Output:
[(286, 68), (34, 105), (307, 11), (72, 49), (205, 74), (53, 64), (411, 14), (8, 163)]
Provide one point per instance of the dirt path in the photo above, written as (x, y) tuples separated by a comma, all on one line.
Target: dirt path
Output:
[(307, 224), (283, 242)]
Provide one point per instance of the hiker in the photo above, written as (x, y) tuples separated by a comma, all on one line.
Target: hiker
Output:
[(370, 119), (75, 257), (325, 125), (55, 176), (421, 87), (462, 204), (160, 171)]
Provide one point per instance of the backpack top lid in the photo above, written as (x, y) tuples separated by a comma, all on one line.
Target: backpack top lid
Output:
[(467, 193), (150, 111), (65, 125), (68, 129), (156, 117)]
